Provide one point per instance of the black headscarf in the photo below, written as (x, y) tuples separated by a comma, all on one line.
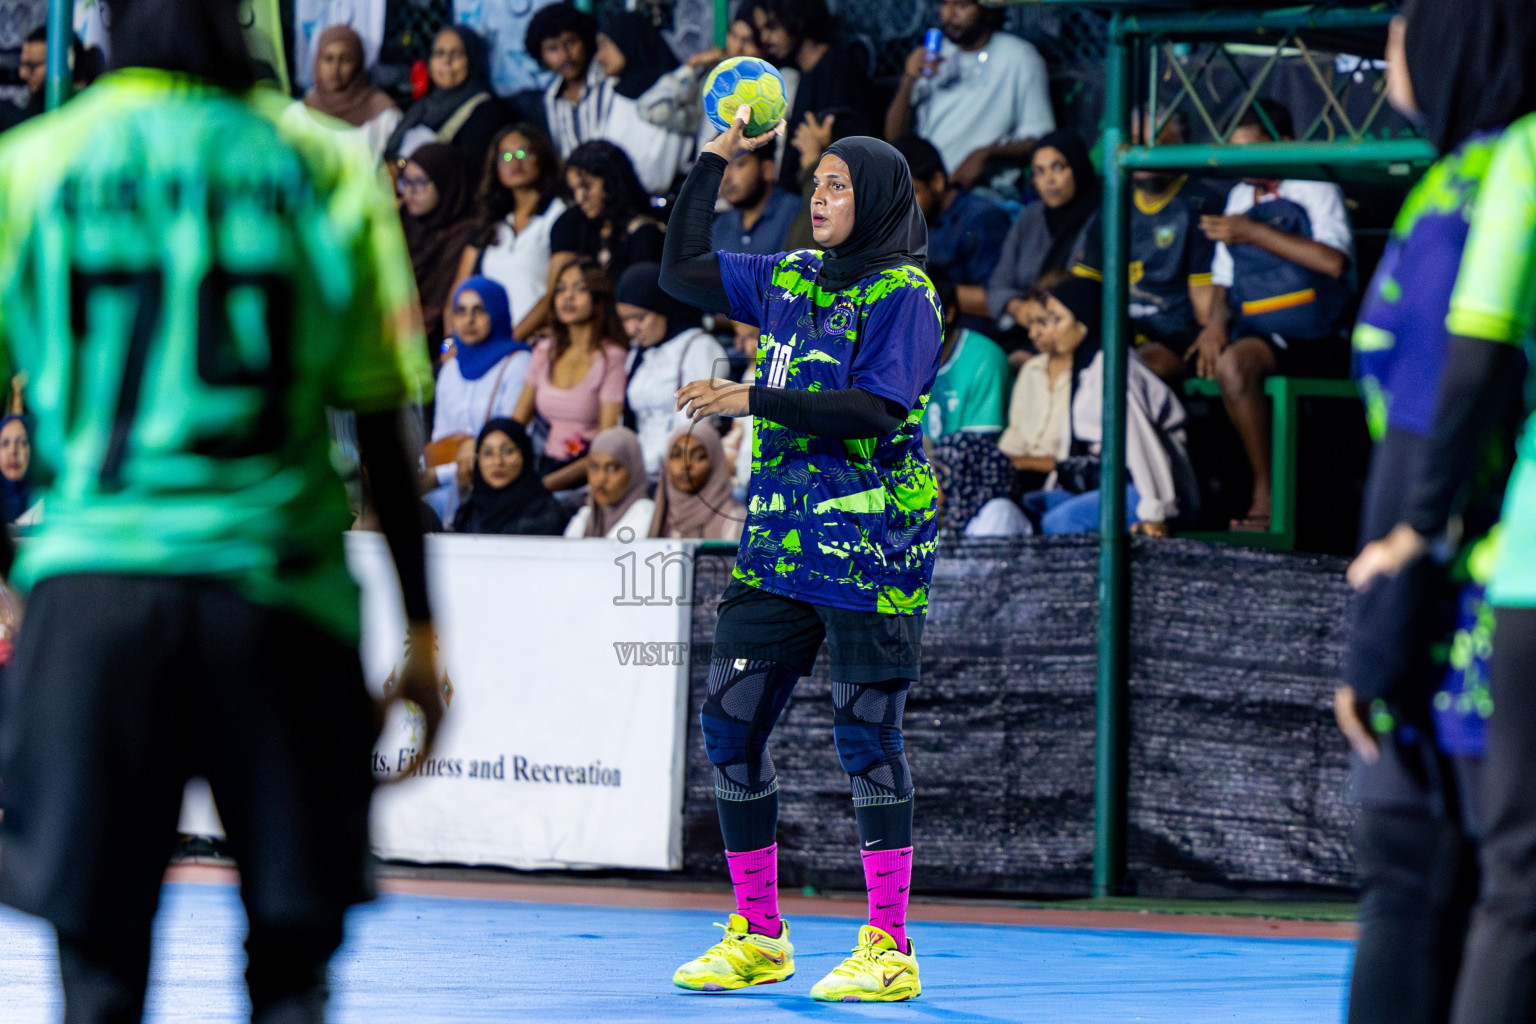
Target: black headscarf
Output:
[(1065, 222), (1471, 64), (1085, 299), (521, 507), (640, 285), (888, 226), (646, 55), (435, 108), (202, 39)]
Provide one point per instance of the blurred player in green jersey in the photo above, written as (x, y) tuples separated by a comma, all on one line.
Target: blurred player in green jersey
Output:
[(188, 286)]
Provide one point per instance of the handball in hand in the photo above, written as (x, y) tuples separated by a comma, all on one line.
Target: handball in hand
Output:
[(749, 81)]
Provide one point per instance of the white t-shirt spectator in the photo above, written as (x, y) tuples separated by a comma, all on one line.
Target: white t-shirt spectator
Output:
[(1322, 200), (656, 153), (519, 261), (1000, 93), (637, 518), (652, 392)]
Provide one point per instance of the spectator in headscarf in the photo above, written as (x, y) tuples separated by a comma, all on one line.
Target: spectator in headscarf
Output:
[(505, 494), (693, 497), (518, 204), (676, 101), (616, 478), (1045, 236), (15, 467), (438, 224), (342, 89), (668, 349), (610, 217), (460, 109), (480, 381)]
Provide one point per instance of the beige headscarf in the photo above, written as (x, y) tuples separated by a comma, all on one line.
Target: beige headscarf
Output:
[(618, 443), (711, 514), (359, 102)]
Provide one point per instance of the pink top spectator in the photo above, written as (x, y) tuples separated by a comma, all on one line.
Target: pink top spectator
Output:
[(572, 413)]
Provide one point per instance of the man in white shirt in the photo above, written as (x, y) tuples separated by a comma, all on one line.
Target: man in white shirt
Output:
[(984, 96), (1281, 280)]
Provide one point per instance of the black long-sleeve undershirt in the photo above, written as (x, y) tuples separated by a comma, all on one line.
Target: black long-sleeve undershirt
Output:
[(382, 453), (1481, 379), (690, 270)]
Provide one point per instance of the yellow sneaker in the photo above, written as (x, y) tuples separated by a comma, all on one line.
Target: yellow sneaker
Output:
[(877, 972), (740, 959)]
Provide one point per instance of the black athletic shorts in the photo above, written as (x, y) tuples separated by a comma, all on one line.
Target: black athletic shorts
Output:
[(123, 687), (865, 647), (1301, 357)]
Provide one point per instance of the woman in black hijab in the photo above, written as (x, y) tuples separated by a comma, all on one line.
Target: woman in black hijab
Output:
[(841, 524), (438, 216), (506, 496), (1047, 233), (460, 109)]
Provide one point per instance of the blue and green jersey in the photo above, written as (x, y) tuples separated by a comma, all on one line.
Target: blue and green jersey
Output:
[(844, 524), (187, 286)]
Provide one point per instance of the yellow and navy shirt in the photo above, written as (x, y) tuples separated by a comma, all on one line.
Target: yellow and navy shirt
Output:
[(844, 524), (187, 287)]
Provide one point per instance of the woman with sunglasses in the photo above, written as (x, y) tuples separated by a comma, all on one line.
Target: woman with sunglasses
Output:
[(435, 212), (518, 203)]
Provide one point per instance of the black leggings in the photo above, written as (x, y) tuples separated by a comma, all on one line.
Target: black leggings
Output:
[(1498, 984)]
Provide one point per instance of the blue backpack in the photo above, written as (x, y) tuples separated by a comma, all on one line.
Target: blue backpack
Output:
[(1272, 295)]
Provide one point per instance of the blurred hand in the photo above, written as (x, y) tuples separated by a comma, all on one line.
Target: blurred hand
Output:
[(812, 137), (714, 397), (1234, 230), (707, 58), (418, 685), (1386, 557), (921, 64), (970, 170), (1352, 715), (466, 463), (729, 145), (1208, 347)]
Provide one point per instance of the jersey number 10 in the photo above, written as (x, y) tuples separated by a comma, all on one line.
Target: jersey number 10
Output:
[(219, 360)]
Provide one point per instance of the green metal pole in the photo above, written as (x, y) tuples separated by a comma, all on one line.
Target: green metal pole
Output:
[(1230, 21), (61, 33), (1368, 153), (584, 5), (722, 21), (1109, 775)]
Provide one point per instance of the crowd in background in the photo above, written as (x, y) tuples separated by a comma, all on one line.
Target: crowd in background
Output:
[(534, 225)]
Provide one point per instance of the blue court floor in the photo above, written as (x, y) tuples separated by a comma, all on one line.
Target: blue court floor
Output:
[(429, 959)]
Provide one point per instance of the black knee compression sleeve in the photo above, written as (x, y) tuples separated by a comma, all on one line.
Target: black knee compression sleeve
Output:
[(866, 724), (745, 700)]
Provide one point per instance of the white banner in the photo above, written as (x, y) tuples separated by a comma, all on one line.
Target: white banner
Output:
[(503, 23), (312, 17), (563, 745)]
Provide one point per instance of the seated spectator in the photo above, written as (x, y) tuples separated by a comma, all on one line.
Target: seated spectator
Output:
[(505, 494), (761, 213), (1046, 234), (32, 69), (616, 489), (965, 230), (599, 77), (738, 440), (460, 109), (967, 395), (342, 89), (810, 140), (481, 380), (575, 382), (694, 496), (518, 204), (1042, 393), (16, 472), (975, 480), (669, 349), (801, 33), (985, 96), (1281, 299), (1170, 270), (438, 223), (610, 220), (676, 101), (1162, 484)]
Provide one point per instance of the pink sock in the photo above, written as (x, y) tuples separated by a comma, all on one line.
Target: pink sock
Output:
[(888, 874), (755, 876)]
